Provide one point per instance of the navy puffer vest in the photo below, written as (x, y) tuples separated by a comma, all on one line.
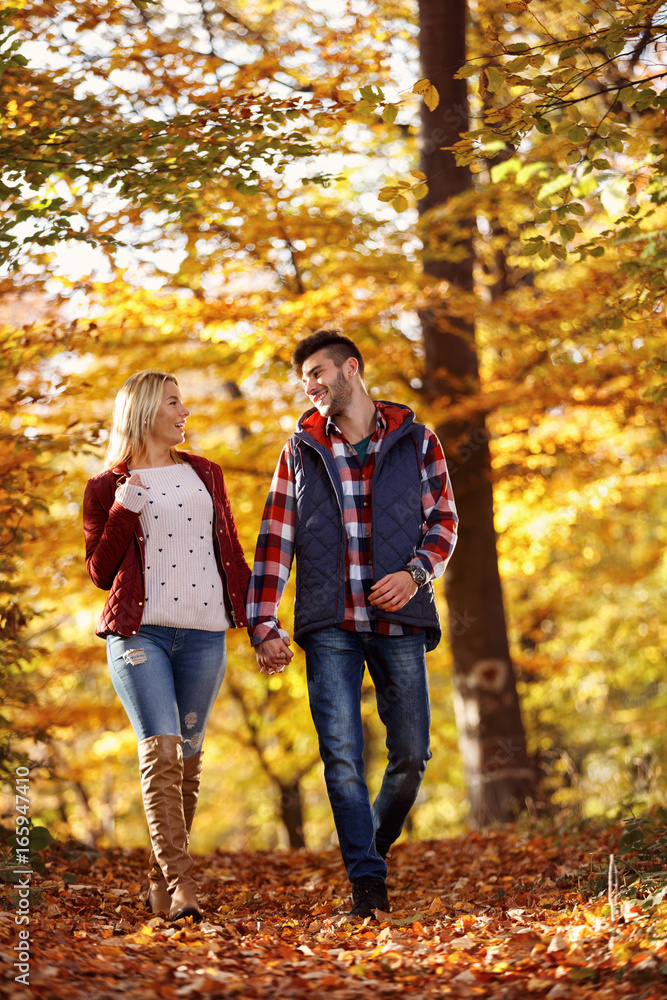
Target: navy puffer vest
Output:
[(396, 532)]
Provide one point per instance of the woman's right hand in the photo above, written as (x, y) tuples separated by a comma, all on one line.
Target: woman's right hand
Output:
[(135, 480), (273, 655)]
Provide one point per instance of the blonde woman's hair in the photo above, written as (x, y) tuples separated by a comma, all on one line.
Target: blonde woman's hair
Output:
[(134, 412)]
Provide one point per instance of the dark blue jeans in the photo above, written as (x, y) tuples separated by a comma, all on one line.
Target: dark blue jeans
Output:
[(335, 663), (168, 680)]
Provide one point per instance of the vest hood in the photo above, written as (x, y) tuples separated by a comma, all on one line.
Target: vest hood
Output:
[(396, 415)]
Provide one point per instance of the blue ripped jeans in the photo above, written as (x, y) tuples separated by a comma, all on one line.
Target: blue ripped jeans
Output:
[(168, 680), (335, 664)]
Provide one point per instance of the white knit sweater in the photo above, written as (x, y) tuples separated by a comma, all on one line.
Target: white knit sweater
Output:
[(183, 585)]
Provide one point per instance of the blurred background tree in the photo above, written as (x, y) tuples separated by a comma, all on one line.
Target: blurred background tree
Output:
[(195, 185)]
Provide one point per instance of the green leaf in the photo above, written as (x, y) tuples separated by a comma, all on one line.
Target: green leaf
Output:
[(544, 126), (553, 186), (373, 95), (495, 146), (614, 48), (628, 95), (40, 838), (464, 73), (389, 113), (495, 78), (517, 65), (577, 134), (501, 170), (362, 109), (530, 169)]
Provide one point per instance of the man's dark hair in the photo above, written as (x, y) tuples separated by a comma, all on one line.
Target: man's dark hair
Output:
[(338, 347)]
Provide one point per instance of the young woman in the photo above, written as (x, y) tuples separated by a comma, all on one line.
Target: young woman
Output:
[(161, 538)]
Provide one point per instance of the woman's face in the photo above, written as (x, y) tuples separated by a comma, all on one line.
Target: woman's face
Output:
[(169, 427)]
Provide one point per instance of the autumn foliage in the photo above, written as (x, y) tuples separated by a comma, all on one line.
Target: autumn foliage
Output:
[(504, 914), (197, 185)]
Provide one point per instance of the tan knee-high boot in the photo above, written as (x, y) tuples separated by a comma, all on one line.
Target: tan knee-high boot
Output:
[(158, 899), (161, 769)]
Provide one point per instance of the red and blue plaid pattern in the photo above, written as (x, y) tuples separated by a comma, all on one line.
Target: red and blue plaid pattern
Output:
[(275, 545)]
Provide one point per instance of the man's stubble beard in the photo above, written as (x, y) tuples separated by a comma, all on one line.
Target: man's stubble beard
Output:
[(340, 394)]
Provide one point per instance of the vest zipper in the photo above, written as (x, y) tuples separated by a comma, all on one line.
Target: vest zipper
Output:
[(341, 522)]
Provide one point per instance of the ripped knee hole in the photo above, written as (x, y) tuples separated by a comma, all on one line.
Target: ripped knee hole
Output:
[(134, 656)]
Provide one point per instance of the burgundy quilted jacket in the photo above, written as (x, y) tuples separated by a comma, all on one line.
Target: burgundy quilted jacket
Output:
[(115, 548)]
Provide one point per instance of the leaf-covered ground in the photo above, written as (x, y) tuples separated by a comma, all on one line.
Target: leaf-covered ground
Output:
[(507, 914)]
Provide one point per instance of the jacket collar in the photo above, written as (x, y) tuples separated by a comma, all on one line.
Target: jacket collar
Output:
[(394, 416)]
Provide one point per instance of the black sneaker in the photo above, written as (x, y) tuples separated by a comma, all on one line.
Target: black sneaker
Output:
[(369, 894)]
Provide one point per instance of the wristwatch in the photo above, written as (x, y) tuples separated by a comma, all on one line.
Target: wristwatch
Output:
[(418, 574)]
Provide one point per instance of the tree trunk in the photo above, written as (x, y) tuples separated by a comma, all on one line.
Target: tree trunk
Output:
[(491, 736), (291, 811)]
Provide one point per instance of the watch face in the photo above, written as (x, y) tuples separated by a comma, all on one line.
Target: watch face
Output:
[(418, 574)]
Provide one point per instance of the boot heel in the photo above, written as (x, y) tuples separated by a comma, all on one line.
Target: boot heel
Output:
[(184, 904)]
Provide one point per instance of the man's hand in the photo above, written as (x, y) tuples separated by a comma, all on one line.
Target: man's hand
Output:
[(273, 655), (393, 591)]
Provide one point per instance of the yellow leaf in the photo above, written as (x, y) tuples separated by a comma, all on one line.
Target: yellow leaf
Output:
[(421, 86), (420, 191), (400, 203), (432, 98), (362, 109)]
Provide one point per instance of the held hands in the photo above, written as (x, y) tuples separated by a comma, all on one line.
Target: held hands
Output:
[(273, 655), (393, 591)]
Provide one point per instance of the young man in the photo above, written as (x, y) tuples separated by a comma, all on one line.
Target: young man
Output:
[(362, 496)]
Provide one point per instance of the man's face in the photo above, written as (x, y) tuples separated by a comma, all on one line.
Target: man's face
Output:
[(325, 385)]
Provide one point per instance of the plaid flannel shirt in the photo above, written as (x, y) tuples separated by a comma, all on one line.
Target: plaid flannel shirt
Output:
[(275, 545)]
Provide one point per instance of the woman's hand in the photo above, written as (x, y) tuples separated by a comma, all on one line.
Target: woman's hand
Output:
[(273, 655)]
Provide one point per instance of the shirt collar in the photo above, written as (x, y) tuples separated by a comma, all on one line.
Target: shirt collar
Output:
[(380, 424)]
